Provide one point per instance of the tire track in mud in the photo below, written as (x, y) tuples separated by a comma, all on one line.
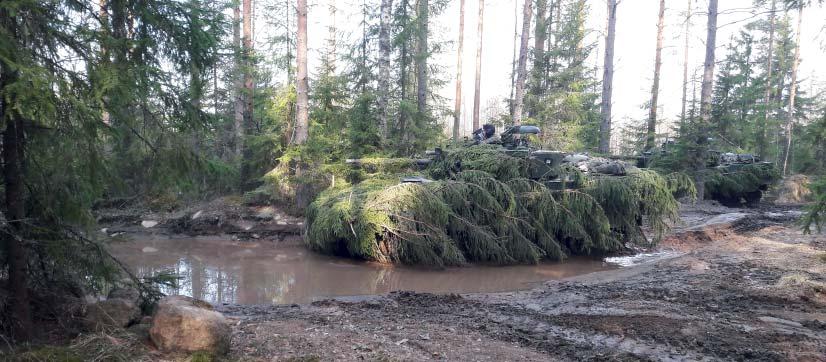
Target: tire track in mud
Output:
[(553, 334)]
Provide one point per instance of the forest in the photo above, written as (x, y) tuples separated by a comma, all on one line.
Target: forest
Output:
[(320, 109)]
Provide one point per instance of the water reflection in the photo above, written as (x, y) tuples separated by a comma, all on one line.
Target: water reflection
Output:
[(261, 273)]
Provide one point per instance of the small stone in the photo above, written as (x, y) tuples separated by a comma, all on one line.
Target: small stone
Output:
[(149, 223), (197, 214), (149, 249)]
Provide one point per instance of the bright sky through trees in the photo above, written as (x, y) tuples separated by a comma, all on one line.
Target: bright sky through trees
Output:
[(636, 31)]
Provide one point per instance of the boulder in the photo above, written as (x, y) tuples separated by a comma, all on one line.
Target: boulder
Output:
[(110, 313), (794, 190), (126, 293), (184, 324)]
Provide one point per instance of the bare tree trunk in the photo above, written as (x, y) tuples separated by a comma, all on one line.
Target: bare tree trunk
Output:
[(421, 57), (384, 66), (651, 135), (477, 93), (515, 54), (703, 125), (608, 80), (238, 106), (792, 93), (763, 142), (685, 67), (404, 60), (540, 38), (15, 210), (302, 100), (521, 72), (457, 107), (248, 82)]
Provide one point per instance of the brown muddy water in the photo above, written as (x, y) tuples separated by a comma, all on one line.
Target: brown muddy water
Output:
[(243, 272)]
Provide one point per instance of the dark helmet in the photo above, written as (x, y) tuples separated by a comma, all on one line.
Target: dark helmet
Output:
[(490, 130)]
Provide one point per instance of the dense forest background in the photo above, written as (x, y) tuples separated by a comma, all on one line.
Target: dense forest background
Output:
[(172, 100)]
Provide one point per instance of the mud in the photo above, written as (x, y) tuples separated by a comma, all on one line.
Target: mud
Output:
[(738, 285), (222, 216)]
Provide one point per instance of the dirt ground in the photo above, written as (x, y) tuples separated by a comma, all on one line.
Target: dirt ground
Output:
[(741, 285)]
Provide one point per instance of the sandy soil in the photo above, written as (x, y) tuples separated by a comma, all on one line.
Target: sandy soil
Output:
[(740, 285)]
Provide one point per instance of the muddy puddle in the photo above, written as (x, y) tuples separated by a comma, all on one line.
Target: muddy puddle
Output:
[(222, 271)]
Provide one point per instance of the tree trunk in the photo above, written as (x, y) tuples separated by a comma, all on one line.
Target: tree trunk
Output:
[(421, 57), (15, 211), (706, 91), (762, 143), (477, 92), (301, 88), (521, 72), (384, 65), (685, 67), (792, 94), (404, 60), (608, 80), (238, 107), (651, 135), (540, 38), (457, 107), (248, 82), (515, 54)]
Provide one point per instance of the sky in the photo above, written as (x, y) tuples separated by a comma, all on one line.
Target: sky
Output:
[(634, 48)]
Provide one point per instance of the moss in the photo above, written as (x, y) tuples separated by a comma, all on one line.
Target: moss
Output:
[(201, 356), (48, 353)]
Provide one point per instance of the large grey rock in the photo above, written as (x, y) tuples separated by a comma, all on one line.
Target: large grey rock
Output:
[(185, 324), (116, 312)]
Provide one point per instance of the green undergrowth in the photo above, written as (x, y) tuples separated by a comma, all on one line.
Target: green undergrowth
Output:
[(815, 216), (485, 206)]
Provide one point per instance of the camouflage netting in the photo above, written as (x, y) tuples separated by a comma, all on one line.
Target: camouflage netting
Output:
[(743, 184), (484, 208)]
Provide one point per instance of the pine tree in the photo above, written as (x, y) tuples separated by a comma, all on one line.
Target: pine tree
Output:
[(477, 98), (457, 108), (302, 113), (704, 123), (521, 68), (651, 133), (608, 79)]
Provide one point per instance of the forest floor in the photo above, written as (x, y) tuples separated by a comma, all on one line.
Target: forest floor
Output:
[(744, 284), (738, 284)]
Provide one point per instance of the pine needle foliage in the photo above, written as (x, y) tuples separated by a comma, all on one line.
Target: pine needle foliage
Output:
[(483, 209), (726, 183), (681, 185), (815, 216)]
